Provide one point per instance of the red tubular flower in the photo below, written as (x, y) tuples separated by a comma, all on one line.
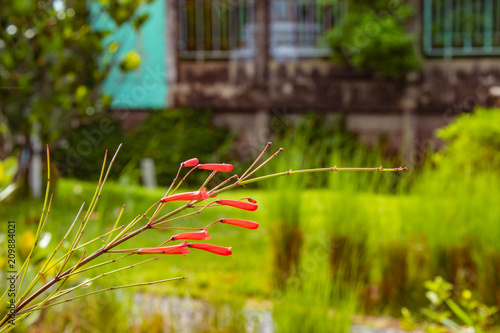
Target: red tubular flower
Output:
[(241, 223), (196, 235), (222, 167), (190, 163), (238, 204), (187, 196), (175, 249), (223, 251)]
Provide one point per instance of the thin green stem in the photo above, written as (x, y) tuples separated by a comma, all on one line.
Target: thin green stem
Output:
[(175, 179), (107, 289), (68, 290), (162, 221), (256, 160), (100, 237), (209, 178), (223, 183), (83, 224), (116, 223), (98, 265), (42, 270), (37, 238), (176, 228), (260, 166), (291, 172)]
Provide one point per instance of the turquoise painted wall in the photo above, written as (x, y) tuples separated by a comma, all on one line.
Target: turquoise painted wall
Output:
[(145, 87)]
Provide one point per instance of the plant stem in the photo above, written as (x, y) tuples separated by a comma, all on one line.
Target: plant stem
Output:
[(108, 289), (150, 225)]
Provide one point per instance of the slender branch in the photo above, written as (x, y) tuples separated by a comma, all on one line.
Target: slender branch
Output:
[(209, 178), (35, 245), (42, 270), (256, 160), (107, 289), (98, 265), (86, 283), (260, 166), (116, 223)]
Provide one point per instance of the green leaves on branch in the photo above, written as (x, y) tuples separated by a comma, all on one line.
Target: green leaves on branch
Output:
[(473, 141), (54, 58), (372, 38), (448, 311)]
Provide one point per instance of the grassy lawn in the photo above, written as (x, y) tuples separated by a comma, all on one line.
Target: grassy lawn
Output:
[(246, 272), (393, 243)]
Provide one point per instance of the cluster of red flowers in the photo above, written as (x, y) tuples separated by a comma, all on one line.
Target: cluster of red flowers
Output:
[(184, 247)]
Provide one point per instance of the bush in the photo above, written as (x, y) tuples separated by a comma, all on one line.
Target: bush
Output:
[(473, 141), (167, 136), (177, 135), (375, 41), (92, 139)]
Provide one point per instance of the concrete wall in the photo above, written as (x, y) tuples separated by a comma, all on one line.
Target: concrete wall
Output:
[(245, 94), (427, 100)]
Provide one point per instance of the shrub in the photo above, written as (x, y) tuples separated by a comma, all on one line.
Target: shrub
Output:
[(177, 135), (473, 141), (167, 136), (374, 40)]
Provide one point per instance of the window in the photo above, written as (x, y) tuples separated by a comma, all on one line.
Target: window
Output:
[(215, 29), (223, 29), (297, 27), (461, 28)]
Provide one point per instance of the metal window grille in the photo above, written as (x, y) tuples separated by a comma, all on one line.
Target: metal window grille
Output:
[(223, 29), (297, 26), (215, 29), (461, 28)]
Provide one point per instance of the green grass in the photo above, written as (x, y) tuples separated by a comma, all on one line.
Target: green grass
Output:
[(209, 274), (445, 226)]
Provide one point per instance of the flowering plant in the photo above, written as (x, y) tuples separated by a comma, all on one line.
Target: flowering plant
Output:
[(38, 295)]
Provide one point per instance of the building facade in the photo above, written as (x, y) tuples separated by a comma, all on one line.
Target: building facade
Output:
[(251, 59)]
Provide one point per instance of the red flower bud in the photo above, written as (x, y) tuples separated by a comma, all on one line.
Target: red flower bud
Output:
[(223, 251), (187, 196), (190, 163), (175, 249), (238, 204), (196, 235), (217, 167), (241, 223)]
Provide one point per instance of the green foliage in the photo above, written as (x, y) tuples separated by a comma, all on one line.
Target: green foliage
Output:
[(52, 64), (167, 136), (473, 141), (372, 38), (316, 141), (170, 136), (92, 139), (443, 312)]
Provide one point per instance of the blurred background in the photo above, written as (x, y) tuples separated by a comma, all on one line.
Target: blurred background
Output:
[(336, 83)]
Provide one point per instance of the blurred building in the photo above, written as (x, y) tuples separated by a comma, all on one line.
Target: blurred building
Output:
[(249, 60)]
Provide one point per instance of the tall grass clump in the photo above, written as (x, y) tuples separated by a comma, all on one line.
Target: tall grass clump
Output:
[(318, 304), (313, 300), (458, 195), (285, 205)]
